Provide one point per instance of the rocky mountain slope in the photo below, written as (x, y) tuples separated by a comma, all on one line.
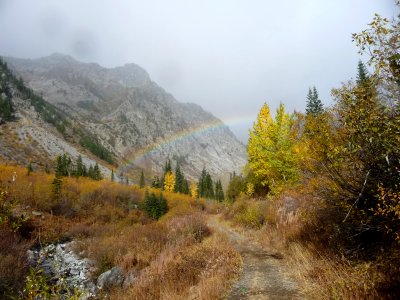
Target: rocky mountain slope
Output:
[(130, 116)]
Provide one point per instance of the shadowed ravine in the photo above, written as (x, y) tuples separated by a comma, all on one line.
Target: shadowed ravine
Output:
[(262, 276)]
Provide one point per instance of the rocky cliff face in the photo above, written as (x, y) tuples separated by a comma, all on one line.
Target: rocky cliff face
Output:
[(132, 116)]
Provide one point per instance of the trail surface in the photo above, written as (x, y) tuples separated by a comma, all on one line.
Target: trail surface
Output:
[(262, 275)]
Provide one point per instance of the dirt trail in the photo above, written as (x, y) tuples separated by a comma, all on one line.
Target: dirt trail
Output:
[(262, 276)]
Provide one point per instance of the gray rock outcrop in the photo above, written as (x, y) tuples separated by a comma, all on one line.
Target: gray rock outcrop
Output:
[(132, 116), (111, 278)]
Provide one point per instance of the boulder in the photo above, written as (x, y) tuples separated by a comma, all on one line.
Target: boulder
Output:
[(110, 278), (130, 279)]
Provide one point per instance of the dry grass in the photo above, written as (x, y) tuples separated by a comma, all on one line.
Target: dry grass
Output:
[(320, 269), (177, 257), (192, 271)]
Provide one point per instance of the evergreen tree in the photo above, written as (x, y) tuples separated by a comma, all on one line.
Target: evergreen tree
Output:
[(96, 172), (201, 186), (142, 181), (167, 167), (179, 180), (91, 172), (64, 165), (156, 182), (150, 205), (314, 104), (155, 206), (209, 187), (57, 182), (235, 187), (29, 169), (84, 171), (167, 170), (205, 186), (186, 189), (6, 108), (219, 192), (112, 175), (162, 205), (362, 73), (59, 166), (79, 167)]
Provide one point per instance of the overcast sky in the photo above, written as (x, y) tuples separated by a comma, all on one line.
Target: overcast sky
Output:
[(230, 56)]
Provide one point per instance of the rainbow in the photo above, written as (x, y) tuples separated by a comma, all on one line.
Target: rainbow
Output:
[(137, 156)]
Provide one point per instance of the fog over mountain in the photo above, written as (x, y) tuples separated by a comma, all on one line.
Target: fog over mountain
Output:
[(228, 56)]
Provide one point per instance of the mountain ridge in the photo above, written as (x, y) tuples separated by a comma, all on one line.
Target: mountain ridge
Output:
[(127, 112)]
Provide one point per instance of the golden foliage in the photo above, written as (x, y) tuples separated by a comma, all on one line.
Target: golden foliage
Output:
[(169, 182), (271, 149), (194, 190)]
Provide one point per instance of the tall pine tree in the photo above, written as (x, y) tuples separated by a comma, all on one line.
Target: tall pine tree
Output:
[(362, 73), (314, 104), (179, 180), (142, 181)]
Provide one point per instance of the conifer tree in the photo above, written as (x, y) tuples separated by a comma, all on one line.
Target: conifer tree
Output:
[(96, 172), (142, 181), (79, 166), (57, 182), (85, 171), (179, 180), (202, 183), (156, 182), (59, 166), (112, 175), (91, 172), (314, 104), (162, 205), (362, 73), (209, 187), (186, 189), (219, 192), (155, 206), (29, 169), (205, 185), (167, 169)]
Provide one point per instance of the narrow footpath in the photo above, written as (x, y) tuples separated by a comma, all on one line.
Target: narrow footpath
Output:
[(262, 275)]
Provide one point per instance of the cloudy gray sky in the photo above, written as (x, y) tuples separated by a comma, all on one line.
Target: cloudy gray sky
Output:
[(230, 56)]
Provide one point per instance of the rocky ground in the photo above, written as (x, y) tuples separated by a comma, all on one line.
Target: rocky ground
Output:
[(65, 269)]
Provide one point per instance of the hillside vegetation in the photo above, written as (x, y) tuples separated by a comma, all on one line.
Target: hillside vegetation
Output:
[(172, 258)]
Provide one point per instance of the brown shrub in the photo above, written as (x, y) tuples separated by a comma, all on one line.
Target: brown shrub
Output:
[(13, 261)]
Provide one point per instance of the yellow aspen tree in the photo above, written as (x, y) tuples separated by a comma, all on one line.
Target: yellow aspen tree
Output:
[(194, 190), (169, 182), (271, 149), (250, 189)]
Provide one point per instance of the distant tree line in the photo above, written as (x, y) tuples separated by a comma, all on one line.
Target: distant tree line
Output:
[(177, 183), (66, 167)]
